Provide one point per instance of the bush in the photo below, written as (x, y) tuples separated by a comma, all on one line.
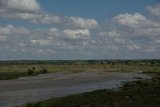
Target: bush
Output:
[(44, 70), (39, 104), (30, 72), (29, 104)]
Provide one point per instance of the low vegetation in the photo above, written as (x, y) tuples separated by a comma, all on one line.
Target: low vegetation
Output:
[(4, 75), (142, 93), (16, 69)]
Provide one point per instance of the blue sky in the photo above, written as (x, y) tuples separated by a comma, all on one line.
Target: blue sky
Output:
[(79, 29), (98, 9)]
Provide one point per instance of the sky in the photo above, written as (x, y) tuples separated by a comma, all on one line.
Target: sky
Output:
[(79, 29)]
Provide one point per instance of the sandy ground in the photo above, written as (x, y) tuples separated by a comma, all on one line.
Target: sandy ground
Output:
[(45, 86)]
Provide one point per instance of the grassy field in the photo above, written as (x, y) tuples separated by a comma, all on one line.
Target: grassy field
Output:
[(16, 69), (142, 93)]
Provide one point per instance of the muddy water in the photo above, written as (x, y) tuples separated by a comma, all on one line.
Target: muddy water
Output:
[(42, 87)]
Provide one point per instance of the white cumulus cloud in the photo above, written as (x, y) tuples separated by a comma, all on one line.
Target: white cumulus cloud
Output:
[(129, 19), (154, 10), (31, 11), (84, 23), (77, 34), (20, 5)]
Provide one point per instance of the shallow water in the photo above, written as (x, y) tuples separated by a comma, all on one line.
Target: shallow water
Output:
[(45, 86)]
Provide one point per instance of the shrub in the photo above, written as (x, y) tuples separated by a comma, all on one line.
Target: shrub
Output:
[(33, 68), (44, 70), (29, 104), (39, 104), (30, 72)]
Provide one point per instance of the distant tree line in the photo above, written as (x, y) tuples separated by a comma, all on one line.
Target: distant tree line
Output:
[(76, 62)]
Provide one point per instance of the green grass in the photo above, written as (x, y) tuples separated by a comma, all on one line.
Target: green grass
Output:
[(143, 93)]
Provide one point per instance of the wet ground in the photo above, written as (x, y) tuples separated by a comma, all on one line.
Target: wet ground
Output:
[(45, 86)]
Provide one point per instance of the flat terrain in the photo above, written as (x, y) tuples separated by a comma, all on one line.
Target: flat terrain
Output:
[(46, 86), (16, 69)]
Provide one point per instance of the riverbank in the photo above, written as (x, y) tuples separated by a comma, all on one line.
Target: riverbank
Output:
[(141, 93), (46, 86)]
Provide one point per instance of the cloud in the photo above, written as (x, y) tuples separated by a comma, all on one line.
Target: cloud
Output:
[(84, 23), (133, 46), (6, 30), (113, 47), (20, 5), (10, 30), (29, 38), (157, 40), (126, 35), (154, 10), (137, 24), (74, 34), (131, 20), (38, 42), (54, 32), (111, 33), (31, 11), (132, 32), (3, 38), (41, 42), (77, 34), (148, 32)]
